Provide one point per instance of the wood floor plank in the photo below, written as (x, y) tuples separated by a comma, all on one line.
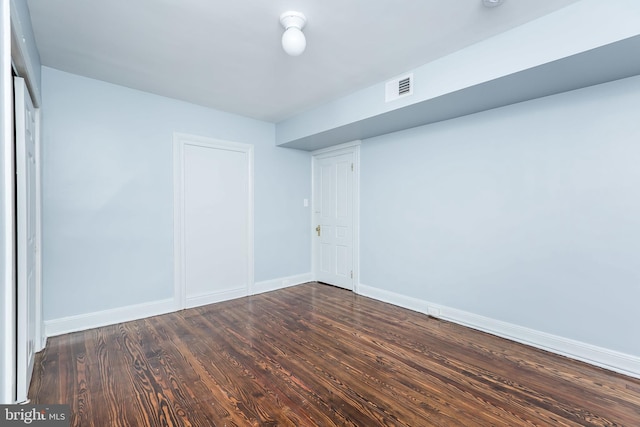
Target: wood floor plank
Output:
[(315, 355), (373, 358)]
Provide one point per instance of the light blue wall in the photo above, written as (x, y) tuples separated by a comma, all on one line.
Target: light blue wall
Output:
[(108, 194), (527, 214)]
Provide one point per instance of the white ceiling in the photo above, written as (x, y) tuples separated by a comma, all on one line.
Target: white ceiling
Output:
[(227, 54)]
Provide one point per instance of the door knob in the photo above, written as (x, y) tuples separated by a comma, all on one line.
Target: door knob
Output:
[(318, 230)]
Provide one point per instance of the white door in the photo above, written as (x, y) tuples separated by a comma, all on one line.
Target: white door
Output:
[(26, 164), (215, 214), (334, 217)]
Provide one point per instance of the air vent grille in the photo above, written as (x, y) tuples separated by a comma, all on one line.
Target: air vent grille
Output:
[(399, 88), (404, 86)]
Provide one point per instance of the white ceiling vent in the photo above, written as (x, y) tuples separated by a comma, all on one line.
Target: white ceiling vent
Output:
[(399, 88)]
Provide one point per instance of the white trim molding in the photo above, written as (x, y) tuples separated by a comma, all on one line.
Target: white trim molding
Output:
[(605, 358), (40, 337), (214, 297), (281, 283), (113, 316), (7, 217), (347, 147)]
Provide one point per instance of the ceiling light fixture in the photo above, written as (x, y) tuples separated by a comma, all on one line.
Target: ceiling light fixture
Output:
[(293, 40), (492, 3)]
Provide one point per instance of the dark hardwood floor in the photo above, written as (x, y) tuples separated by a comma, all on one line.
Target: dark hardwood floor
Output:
[(315, 355)]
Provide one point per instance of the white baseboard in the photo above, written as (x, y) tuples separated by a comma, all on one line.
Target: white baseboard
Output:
[(214, 297), (609, 359), (43, 343), (281, 283), (86, 321), (83, 322)]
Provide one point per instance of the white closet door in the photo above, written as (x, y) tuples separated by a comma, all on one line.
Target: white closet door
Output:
[(216, 210), (26, 191)]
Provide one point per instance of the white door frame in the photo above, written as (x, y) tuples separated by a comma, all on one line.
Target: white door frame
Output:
[(41, 337), (346, 148), (180, 140), (7, 204)]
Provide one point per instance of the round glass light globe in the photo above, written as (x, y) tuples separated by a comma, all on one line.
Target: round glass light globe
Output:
[(294, 41)]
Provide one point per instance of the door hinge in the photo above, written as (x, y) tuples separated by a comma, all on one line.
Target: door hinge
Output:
[(351, 167), (352, 274)]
